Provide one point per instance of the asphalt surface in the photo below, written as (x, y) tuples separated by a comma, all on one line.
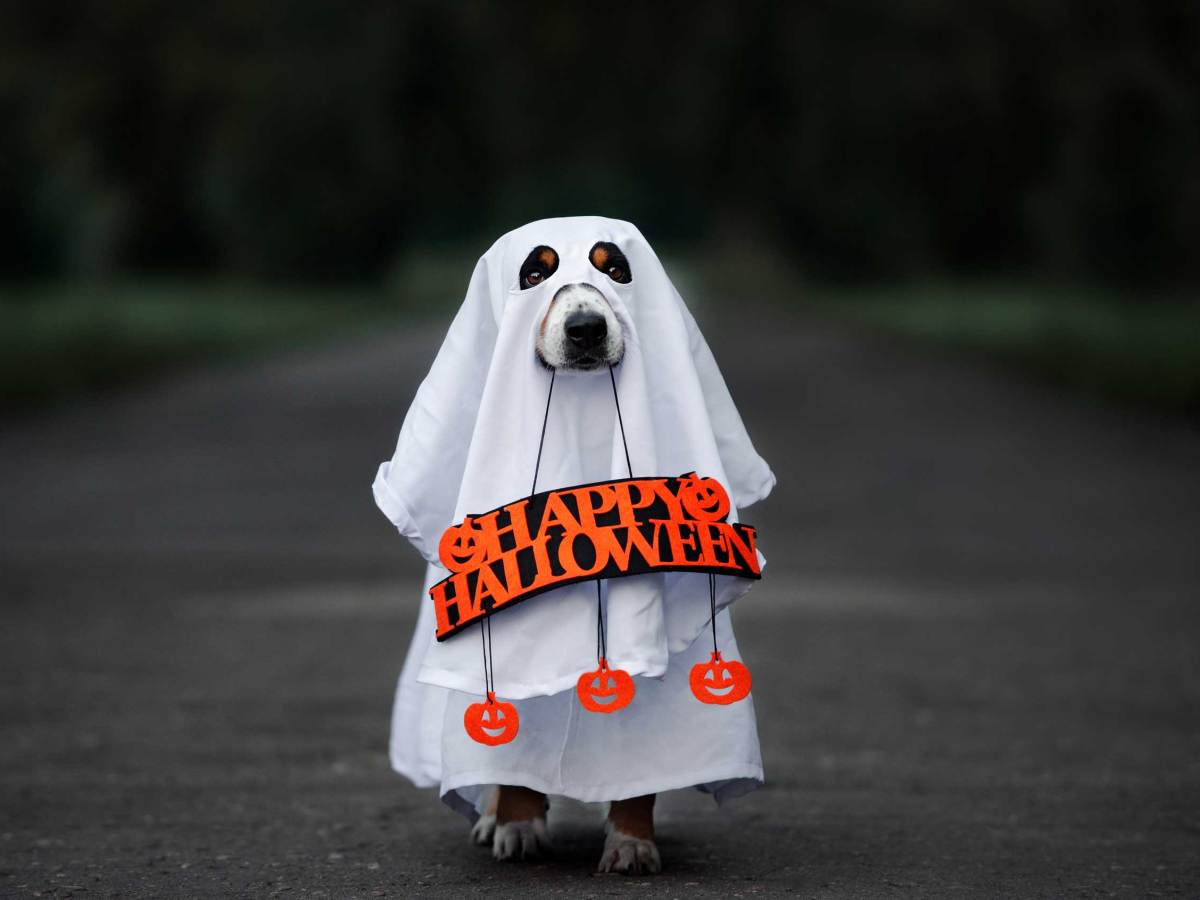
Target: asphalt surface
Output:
[(975, 649)]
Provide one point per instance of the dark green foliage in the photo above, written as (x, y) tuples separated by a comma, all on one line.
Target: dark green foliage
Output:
[(876, 139)]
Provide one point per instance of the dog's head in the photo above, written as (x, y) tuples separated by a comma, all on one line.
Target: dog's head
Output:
[(580, 331)]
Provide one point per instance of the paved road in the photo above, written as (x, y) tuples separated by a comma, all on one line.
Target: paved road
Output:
[(975, 652)]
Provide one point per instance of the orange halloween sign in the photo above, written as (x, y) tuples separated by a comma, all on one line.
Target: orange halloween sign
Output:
[(608, 529)]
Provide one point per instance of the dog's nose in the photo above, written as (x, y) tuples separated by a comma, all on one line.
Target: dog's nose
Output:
[(586, 330)]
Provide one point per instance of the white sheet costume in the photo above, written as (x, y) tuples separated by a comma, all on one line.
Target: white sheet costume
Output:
[(469, 444)]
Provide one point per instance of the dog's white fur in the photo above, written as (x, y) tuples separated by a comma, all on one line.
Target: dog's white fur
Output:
[(510, 840), (520, 840), (552, 345), (623, 853), (628, 855), (483, 829)]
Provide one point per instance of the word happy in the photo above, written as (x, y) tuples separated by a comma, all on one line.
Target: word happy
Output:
[(604, 530)]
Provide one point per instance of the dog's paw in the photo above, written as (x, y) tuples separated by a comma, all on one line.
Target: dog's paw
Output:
[(520, 840), (629, 855), (483, 829)]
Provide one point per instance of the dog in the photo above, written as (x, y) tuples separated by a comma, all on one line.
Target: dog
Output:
[(557, 300), (580, 332)]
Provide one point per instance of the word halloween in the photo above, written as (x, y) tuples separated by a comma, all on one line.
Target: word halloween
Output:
[(604, 530)]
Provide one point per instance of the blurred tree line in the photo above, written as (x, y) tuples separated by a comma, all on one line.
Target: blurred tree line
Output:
[(870, 139)]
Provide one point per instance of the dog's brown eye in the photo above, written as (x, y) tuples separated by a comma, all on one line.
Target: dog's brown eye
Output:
[(540, 264), (608, 258)]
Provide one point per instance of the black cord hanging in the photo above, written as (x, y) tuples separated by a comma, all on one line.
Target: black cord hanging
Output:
[(712, 605), (542, 440), (601, 635), (620, 420), (489, 668)]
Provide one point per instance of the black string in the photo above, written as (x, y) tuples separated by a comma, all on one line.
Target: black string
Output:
[(483, 644), (489, 665), (491, 657), (542, 441), (712, 603), (601, 637), (620, 421)]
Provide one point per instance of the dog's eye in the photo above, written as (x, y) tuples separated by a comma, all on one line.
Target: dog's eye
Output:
[(608, 258), (540, 264)]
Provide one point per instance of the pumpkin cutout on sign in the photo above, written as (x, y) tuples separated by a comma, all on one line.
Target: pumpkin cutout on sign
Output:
[(720, 681), (492, 721), (462, 547), (605, 690), (704, 499)]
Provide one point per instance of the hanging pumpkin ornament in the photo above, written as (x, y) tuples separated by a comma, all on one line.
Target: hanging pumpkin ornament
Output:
[(718, 681), (605, 690), (492, 722)]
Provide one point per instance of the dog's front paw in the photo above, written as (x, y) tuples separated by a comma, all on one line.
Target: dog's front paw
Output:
[(629, 855), (483, 829), (520, 840)]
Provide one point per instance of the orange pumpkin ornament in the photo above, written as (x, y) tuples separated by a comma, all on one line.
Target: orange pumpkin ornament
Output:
[(605, 690), (492, 722), (721, 681)]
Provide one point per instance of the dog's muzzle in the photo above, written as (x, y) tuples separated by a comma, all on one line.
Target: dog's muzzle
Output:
[(580, 330)]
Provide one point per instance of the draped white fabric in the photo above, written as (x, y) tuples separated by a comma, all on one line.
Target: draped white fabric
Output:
[(469, 444)]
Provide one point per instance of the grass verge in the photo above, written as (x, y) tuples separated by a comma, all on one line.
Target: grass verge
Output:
[(1102, 345), (61, 340), (1116, 348)]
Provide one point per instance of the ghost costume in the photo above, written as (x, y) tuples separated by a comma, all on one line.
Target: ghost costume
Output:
[(470, 443)]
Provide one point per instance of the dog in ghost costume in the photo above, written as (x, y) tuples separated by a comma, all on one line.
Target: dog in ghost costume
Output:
[(572, 360)]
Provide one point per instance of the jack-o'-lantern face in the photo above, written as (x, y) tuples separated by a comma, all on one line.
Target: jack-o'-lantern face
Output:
[(704, 499), (492, 722), (719, 680), (461, 546), (604, 690)]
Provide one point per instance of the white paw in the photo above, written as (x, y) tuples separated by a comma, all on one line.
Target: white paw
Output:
[(520, 840), (483, 829), (629, 855)]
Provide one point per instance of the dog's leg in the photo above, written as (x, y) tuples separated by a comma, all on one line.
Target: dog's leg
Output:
[(485, 825), (520, 823), (629, 838)]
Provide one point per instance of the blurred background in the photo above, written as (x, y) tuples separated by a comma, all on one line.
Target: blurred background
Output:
[(945, 254), (1019, 178)]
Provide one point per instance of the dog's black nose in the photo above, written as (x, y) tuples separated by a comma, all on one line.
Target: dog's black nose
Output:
[(586, 330)]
